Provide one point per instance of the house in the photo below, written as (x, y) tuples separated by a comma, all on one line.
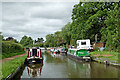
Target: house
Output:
[(98, 44)]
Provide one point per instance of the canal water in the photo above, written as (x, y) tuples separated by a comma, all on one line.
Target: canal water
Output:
[(62, 67)]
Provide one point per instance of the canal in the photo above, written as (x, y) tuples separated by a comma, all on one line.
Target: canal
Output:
[(62, 67)]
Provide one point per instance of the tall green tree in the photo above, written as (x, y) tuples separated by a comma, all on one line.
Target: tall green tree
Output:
[(25, 41), (66, 33), (22, 41), (49, 40), (110, 33), (89, 19), (57, 38)]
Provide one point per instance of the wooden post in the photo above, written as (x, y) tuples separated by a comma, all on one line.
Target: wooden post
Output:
[(96, 37), (95, 40)]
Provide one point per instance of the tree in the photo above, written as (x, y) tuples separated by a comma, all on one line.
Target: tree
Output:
[(25, 41), (49, 40), (57, 38), (22, 41), (66, 33), (29, 41), (110, 33)]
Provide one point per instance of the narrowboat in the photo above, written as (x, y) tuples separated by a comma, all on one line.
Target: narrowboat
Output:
[(55, 50), (63, 51), (48, 49), (34, 55), (52, 49), (82, 52)]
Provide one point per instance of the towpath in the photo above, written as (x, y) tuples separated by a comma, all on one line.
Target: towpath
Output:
[(10, 58)]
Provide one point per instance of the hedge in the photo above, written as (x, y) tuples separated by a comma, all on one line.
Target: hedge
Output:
[(11, 47)]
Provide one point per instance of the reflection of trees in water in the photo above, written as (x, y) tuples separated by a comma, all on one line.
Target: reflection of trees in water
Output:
[(53, 59), (34, 69), (103, 71), (78, 69)]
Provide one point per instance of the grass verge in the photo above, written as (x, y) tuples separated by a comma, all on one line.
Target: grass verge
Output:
[(10, 66), (101, 53), (7, 55)]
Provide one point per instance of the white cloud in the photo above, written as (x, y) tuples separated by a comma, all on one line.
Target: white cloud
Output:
[(52, 11), (34, 19)]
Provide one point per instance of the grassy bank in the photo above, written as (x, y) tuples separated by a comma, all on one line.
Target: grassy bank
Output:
[(6, 55), (101, 53), (10, 66)]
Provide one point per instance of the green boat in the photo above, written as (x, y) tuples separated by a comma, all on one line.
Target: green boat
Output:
[(81, 54), (82, 51), (77, 52)]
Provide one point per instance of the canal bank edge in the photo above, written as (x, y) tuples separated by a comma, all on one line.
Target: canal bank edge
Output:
[(99, 60), (12, 75), (106, 61)]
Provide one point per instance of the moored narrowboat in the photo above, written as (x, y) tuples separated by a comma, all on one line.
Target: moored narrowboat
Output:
[(52, 49), (55, 50), (81, 52), (63, 51), (34, 55)]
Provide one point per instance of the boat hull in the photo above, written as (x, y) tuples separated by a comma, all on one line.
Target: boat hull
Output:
[(80, 58)]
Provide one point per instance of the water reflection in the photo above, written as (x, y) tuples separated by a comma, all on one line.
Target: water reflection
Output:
[(51, 58), (78, 69), (34, 69), (103, 71), (63, 67)]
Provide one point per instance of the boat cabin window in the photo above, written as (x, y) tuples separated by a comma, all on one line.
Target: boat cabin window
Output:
[(34, 51), (91, 46), (83, 43)]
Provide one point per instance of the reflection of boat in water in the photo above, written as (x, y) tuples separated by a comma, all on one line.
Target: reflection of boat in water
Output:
[(34, 69), (55, 55)]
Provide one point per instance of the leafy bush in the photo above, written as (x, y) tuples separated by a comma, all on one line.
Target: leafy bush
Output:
[(11, 47)]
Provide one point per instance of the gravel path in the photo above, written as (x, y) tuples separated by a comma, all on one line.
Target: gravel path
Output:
[(10, 58)]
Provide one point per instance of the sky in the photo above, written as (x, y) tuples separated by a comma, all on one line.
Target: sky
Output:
[(34, 19)]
